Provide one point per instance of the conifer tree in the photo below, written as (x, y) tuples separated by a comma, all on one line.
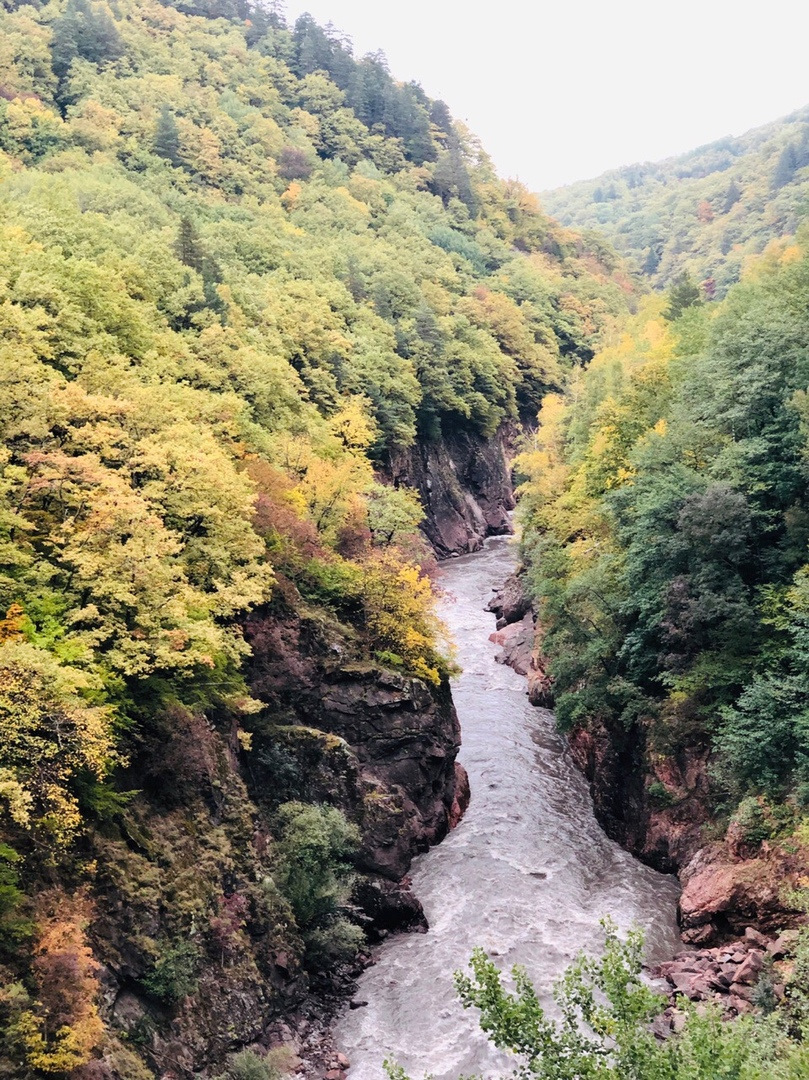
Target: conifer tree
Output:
[(683, 294), (167, 137)]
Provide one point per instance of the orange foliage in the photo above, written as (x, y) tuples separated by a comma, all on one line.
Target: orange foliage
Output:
[(63, 1028)]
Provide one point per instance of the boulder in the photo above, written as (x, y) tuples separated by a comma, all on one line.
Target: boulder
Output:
[(748, 970), (511, 604)]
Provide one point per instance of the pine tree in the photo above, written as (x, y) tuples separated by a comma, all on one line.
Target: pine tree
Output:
[(786, 168), (84, 31), (189, 245), (167, 137), (734, 193), (683, 294)]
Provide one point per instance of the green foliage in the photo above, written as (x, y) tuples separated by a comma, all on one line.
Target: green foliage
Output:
[(334, 942), (315, 846), (166, 142), (174, 976), (665, 525), (14, 926), (248, 1065), (683, 294), (603, 1031), (752, 820), (707, 212)]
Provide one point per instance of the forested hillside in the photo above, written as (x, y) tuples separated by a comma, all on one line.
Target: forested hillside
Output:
[(703, 213), (666, 522), (241, 269)]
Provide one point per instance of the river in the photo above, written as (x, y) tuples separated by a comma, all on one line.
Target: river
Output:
[(526, 875)]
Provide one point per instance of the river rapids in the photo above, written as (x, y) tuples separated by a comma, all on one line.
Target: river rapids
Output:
[(527, 874)]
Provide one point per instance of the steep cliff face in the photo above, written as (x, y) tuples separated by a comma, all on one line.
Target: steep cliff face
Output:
[(200, 836), (379, 744), (662, 810), (465, 486)]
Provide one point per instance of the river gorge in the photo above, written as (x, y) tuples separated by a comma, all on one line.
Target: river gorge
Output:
[(527, 875)]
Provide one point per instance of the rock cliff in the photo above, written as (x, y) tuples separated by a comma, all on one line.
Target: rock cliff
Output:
[(465, 486)]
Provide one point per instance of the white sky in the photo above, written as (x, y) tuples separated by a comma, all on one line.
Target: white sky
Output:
[(560, 91)]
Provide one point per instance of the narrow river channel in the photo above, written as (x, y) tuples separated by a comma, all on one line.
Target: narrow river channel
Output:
[(527, 875)]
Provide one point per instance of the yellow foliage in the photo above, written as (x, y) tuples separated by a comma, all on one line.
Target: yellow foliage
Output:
[(48, 733), (399, 613)]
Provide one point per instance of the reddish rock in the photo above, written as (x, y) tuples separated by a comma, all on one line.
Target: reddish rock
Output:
[(748, 970), (460, 802), (464, 481), (783, 944), (752, 936), (740, 1004), (517, 641), (511, 603), (719, 889)]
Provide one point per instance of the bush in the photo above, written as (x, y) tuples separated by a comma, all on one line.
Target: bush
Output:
[(659, 794), (174, 975), (248, 1065), (336, 942), (315, 875), (752, 820)]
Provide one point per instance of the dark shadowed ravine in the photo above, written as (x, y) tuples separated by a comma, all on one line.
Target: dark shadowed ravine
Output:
[(527, 875)]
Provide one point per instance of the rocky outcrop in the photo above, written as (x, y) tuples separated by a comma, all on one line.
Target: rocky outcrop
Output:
[(521, 639), (379, 744), (658, 818), (732, 976), (465, 486), (723, 891)]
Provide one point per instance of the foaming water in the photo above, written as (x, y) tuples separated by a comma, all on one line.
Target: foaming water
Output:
[(526, 875)]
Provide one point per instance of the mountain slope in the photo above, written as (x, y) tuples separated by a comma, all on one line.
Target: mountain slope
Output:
[(704, 212)]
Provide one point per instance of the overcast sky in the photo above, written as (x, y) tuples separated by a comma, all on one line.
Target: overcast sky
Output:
[(560, 91)]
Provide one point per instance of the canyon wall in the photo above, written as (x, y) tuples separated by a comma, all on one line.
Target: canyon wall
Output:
[(662, 807), (464, 482)]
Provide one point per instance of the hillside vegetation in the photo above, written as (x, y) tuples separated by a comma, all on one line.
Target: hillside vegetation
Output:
[(704, 213), (666, 526), (239, 269)]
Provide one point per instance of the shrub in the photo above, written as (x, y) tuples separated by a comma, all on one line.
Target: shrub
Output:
[(659, 794), (752, 820), (315, 849), (248, 1065), (174, 975), (335, 942)]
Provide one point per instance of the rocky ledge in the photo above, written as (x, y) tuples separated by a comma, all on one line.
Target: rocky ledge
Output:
[(517, 633)]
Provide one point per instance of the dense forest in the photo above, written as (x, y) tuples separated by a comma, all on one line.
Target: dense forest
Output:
[(704, 213), (241, 268), (667, 526)]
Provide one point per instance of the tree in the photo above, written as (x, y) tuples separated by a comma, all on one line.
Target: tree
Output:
[(84, 30), (732, 196), (785, 168), (684, 293), (166, 142), (604, 1033)]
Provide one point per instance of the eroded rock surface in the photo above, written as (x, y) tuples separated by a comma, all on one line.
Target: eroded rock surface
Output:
[(465, 486)]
